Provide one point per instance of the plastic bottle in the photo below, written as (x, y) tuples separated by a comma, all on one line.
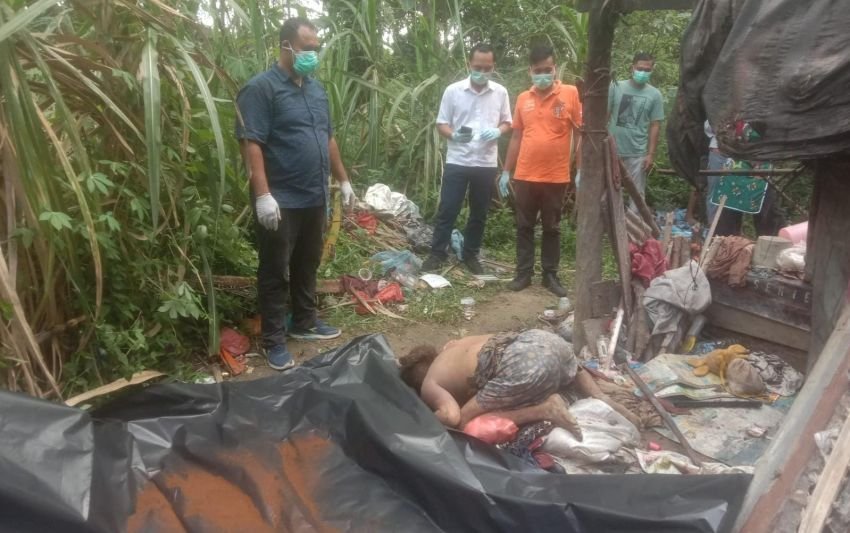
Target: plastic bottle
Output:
[(564, 304), (468, 304), (406, 280)]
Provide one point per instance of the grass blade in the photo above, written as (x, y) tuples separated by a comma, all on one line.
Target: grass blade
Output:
[(24, 17)]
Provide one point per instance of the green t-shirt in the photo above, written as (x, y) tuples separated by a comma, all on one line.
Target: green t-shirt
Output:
[(632, 110)]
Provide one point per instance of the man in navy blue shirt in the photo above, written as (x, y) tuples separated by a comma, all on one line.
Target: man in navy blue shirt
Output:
[(287, 142)]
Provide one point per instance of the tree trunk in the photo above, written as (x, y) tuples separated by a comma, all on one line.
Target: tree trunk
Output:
[(594, 149)]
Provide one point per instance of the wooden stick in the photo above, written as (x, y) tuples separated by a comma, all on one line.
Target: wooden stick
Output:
[(674, 255), (665, 416), (685, 252), (638, 221), (826, 489), (637, 198), (711, 230), (363, 302), (118, 384)]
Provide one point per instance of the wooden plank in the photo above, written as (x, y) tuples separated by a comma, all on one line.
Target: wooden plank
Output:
[(710, 235), (118, 384), (793, 445), (684, 251), (826, 489), (621, 238), (757, 326), (605, 296)]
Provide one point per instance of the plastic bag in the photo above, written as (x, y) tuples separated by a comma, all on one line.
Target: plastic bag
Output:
[(605, 431), (491, 429), (384, 201), (792, 259), (403, 262)]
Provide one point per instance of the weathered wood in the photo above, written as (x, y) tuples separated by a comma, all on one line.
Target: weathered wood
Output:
[(635, 219), (605, 295), (711, 230), (760, 327), (668, 230), (644, 210), (826, 489), (684, 251), (674, 255), (594, 150), (639, 327), (118, 384), (831, 257), (620, 244), (793, 445)]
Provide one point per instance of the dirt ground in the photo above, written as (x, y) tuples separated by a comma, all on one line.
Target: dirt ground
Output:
[(503, 312)]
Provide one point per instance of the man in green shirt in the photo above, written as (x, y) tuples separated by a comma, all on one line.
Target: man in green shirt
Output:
[(635, 112)]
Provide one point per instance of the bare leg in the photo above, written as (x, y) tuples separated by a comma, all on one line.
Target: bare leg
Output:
[(587, 388), (553, 409)]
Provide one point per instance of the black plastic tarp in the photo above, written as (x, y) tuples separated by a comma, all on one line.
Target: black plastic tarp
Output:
[(391, 466), (780, 66)]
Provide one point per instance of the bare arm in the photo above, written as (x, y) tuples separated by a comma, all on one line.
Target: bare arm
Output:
[(654, 129), (513, 151), (445, 130), (505, 127), (337, 168), (440, 401), (252, 152)]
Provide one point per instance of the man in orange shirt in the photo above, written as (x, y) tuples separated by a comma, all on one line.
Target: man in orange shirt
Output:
[(539, 155)]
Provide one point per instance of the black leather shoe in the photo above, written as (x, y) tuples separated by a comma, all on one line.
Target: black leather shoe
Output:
[(551, 282), (432, 263), (473, 265), (520, 282)]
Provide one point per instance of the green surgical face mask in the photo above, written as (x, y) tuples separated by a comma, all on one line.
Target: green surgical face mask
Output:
[(305, 63), (480, 78), (542, 81), (641, 76)]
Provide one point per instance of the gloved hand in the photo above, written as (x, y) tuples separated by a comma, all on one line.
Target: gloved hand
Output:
[(491, 134), (578, 178), (503, 184), (459, 137), (348, 196), (268, 212)]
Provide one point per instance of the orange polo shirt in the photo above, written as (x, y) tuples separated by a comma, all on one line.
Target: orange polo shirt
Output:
[(547, 130)]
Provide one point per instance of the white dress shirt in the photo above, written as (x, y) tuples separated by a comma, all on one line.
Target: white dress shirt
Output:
[(464, 106)]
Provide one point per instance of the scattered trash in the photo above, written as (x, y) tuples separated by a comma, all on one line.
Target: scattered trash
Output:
[(564, 305), (408, 281), (743, 379), (779, 377), (756, 432), (565, 329), (793, 259), (381, 199), (549, 314), (401, 308), (402, 261), (232, 348), (654, 446), (364, 274), (492, 429), (205, 380), (667, 462), (603, 429), (435, 281), (367, 221), (468, 304)]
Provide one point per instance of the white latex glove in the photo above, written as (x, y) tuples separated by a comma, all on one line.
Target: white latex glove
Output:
[(578, 178), (504, 179), (491, 134), (348, 196), (268, 212)]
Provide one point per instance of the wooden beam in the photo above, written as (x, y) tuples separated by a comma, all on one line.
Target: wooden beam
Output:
[(594, 151), (791, 448), (826, 489), (625, 6)]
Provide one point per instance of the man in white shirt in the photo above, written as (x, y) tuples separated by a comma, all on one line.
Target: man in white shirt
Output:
[(474, 113)]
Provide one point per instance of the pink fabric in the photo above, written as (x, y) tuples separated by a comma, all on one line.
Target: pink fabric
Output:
[(648, 261), (491, 429)]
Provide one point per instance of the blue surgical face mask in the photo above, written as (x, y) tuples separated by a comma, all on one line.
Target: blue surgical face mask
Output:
[(480, 78), (304, 63), (641, 76), (542, 81)]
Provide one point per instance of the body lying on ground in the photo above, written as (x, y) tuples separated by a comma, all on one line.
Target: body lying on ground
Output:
[(518, 376)]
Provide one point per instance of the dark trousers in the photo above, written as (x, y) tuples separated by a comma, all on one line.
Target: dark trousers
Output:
[(547, 199), (289, 259), (767, 222), (456, 180)]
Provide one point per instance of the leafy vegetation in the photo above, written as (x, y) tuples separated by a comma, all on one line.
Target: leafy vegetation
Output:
[(124, 193)]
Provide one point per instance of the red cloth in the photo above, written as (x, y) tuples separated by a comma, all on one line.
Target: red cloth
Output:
[(367, 221), (234, 342), (368, 290), (648, 261)]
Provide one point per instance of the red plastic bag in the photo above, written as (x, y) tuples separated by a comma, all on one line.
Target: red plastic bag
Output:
[(234, 342), (390, 294), (491, 429)]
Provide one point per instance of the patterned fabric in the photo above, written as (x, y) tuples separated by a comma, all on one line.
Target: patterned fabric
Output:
[(521, 446), (521, 370), (743, 193)]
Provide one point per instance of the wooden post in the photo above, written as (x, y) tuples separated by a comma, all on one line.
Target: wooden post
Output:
[(594, 150)]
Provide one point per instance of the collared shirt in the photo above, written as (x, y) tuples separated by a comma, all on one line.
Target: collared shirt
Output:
[(547, 124), (464, 106), (292, 125)]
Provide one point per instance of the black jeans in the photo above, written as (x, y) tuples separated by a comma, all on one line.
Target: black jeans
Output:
[(531, 198), (767, 222), (289, 259), (456, 179)]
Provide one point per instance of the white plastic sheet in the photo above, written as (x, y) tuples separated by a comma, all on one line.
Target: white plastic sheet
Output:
[(381, 199), (605, 431)]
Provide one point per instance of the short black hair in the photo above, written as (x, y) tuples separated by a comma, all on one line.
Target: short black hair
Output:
[(290, 27), (415, 365), (643, 56), (481, 48), (541, 53)]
